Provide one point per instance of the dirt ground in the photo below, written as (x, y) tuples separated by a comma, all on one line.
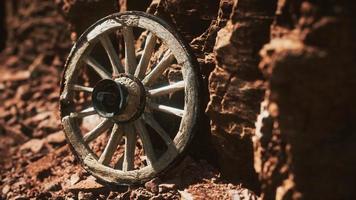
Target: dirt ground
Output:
[(36, 162)]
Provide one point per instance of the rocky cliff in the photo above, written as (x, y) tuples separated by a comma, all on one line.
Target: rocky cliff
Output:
[(306, 127)]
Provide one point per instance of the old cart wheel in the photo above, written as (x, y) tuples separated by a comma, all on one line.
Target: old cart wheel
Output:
[(142, 119)]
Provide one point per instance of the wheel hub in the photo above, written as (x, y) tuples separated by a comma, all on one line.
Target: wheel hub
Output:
[(122, 99), (109, 98)]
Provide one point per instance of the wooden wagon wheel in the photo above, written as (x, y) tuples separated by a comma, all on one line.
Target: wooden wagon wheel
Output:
[(128, 96)]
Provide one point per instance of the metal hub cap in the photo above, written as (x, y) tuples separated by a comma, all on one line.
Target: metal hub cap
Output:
[(122, 99), (109, 98)]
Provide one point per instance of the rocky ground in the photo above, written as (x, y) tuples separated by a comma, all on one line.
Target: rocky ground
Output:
[(36, 162)]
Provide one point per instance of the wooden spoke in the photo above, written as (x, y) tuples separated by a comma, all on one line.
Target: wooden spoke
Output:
[(130, 55), (98, 68), (84, 113), (150, 120), (81, 88), (146, 56), (167, 109), (167, 89), (167, 60), (146, 141), (130, 145), (113, 143), (112, 54), (97, 131)]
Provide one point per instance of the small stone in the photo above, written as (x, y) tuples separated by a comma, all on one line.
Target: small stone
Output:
[(70, 196), (234, 195), (35, 145), (21, 183), (166, 187), (18, 76), (184, 195), (112, 195), (75, 178), (40, 117), (214, 180), (152, 185), (140, 194), (6, 189), (85, 195), (2, 86), (23, 93), (19, 197), (50, 124), (88, 184), (52, 186), (56, 138)]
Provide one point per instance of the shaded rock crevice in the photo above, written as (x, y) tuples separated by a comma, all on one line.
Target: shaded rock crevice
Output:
[(80, 14), (236, 88)]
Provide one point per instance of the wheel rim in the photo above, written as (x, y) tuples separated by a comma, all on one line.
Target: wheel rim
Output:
[(135, 95)]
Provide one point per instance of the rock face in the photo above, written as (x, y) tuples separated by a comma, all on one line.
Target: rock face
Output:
[(306, 128), (236, 87), (191, 17), (81, 14)]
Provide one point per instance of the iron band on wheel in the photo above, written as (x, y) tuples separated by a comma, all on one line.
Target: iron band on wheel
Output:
[(133, 101)]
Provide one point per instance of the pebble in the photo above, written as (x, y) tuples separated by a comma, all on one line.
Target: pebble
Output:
[(52, 186), (74, 179), (185, 195), (234, 195), (56, 138), (87, 184), (35, 145), (6, 189), (166, 187), (85, 195), (152, 185)]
